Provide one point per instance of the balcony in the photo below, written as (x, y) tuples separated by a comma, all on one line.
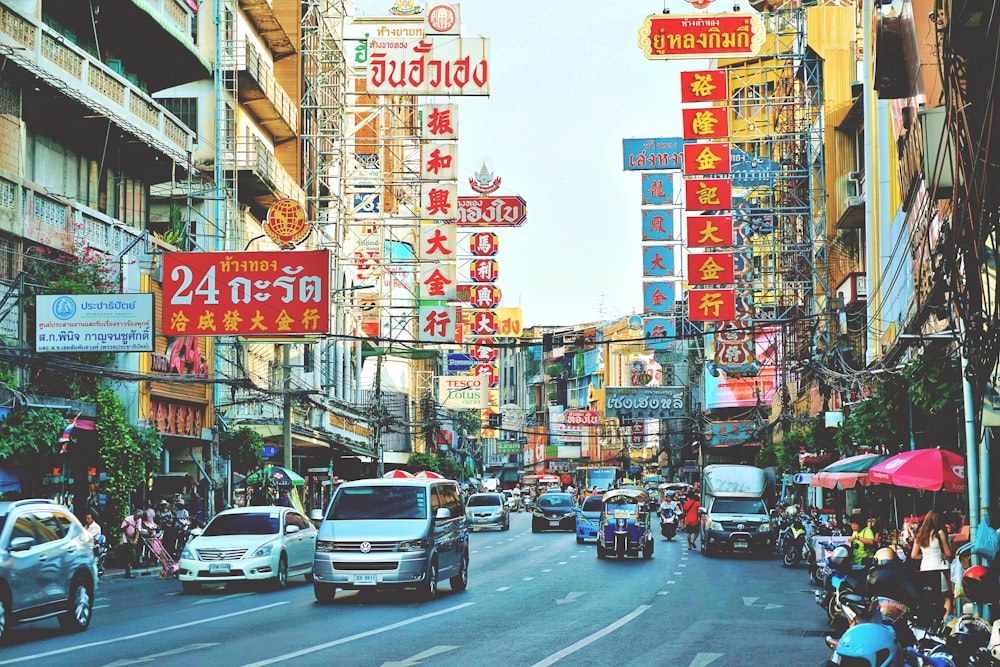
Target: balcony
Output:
[(261, 14), (854, 289), (853, 216), (262, 179), (260, 93), (71, 73)]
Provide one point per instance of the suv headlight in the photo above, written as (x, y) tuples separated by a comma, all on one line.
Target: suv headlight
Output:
[(324, 546), (188, 553), (263, 551), (714, 525), (412, 545), (764, 528)]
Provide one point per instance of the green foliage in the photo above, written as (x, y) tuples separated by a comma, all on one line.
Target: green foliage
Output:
[(26, 435), (452, 469), (128, 455), (468, 421), (176, 235), (880, 421), (418, 461), (784, 456), (934, 383), (243, 447)]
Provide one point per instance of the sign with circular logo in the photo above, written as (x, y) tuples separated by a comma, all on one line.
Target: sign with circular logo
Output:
[(635, 322), (286, 223), (442, 19)]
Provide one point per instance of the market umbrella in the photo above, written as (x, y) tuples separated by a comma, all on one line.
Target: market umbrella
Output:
[(429, 474), (847, 473), (927, 469), (279, 476), (397, 474)]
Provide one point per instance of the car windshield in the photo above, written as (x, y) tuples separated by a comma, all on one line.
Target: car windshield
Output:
[(555, 501), (738, 506), (379, 502), (592, 504), (262, 523), (484, 500)]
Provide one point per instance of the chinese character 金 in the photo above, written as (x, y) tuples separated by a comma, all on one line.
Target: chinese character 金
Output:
[(707, 160), (710, 270)]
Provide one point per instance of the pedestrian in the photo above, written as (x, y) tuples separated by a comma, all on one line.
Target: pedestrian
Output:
[(692, 520), (91, 526), (283, 500), (150, 511), (130, 538), (931, 548), (862, 539)]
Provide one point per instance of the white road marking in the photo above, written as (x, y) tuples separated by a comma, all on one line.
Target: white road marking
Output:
[(572, 595), (678, 573), (562, 562), (423, 655), (574, 556), (125, 638), (152, 658), (503, 588), (590, 639), (100, 606), (548, 569), (671, 581), (535, 548), (527, 579), (663, 593), (360, 635), (223, 598), (682, 565), (174, 593), (704, 659)]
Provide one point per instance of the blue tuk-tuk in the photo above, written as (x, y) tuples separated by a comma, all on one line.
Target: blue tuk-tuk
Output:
[(623, 529)]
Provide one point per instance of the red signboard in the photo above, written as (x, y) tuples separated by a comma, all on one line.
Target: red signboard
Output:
[(710, 268), (483, 296), (483, 353), (484, 244), (246, 293), (489, 371), (708, 194), (492, 211), (581, 418), (664, 36), (483, 271), (706, 123), (483, 323), (707, 85), (709, 305), (706, 158), (707, 231)]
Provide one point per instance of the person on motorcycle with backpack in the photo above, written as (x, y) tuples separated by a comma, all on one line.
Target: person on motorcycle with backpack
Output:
[(863, 539)]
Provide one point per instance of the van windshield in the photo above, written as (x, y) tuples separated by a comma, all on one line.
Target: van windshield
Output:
[(379, 502), (738, 506)]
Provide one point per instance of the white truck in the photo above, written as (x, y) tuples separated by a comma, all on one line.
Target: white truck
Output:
[(735, 513)]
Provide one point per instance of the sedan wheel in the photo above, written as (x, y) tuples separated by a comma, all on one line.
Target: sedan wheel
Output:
[(4, 616), (281, 577), (81, 605), (325, 593)]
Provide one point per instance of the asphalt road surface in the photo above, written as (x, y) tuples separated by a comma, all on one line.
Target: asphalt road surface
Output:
[(533, 599)]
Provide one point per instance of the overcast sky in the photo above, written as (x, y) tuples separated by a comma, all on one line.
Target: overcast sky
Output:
[(568, 83)]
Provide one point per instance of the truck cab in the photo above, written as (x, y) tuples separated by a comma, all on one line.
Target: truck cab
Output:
[(735, 514)]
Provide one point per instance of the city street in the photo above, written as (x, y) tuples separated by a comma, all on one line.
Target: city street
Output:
[(533, 599)]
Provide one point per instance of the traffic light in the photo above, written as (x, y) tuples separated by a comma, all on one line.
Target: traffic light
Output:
[(495, 420)]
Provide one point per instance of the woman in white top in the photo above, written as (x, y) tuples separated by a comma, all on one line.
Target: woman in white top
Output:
[(930, 546)]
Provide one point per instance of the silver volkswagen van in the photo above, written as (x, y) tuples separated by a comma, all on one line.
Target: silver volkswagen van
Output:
[(392, 533)]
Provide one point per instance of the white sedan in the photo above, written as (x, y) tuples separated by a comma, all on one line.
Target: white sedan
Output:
[(249, 544)]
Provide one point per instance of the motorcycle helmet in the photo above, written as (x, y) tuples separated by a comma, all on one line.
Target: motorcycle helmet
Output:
[(980, 584), (840, 559), (792, 510), (872, 642), (884, 556)]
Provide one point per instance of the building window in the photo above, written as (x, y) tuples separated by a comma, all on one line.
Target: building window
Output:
[(185, 108)]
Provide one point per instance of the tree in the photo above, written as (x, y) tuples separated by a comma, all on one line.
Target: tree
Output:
[(418, 461), (243, 447), (28, 442)]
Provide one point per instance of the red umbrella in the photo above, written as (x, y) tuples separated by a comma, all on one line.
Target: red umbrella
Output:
[(397, 474), (927, 469), (429, 474)]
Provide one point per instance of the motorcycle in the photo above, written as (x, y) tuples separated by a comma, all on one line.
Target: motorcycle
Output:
[(668, 525), (794, 547), (100, 552)]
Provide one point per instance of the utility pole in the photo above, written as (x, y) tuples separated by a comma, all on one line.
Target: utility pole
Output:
[(286, 405)]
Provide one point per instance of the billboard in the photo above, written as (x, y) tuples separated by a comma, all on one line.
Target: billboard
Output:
[(462, 392), (442, 66), (747, 390), (492, 211), (730, 35), (94, 323), (653, 153), (643, 402), (730, 433), (246, 293)]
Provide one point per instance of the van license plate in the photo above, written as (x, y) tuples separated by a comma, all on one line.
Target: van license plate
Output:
[(553, 523), (364, 579), (218, 567), (740, 544)]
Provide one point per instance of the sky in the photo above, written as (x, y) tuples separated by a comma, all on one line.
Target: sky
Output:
[(568, 83)]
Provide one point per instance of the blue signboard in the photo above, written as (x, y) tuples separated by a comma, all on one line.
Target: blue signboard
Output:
[(268, 452), (658, 260), (658, 296), (660, 334), (657, 224), (459, 362), (657, 189), (730, 433), (367, 202), (749, 171), (650, 154)]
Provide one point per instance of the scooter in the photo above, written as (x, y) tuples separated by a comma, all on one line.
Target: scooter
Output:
[(668, 525), (100, 552), (793, 543)]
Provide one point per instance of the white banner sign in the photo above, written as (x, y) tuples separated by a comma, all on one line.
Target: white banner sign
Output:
[(432, 66), (94, 323), (463, 392)]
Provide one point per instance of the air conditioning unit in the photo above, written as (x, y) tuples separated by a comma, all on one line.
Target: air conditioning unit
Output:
[(855, 200), (317, 418)]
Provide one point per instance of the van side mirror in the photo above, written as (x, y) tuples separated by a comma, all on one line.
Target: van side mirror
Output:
[(289, 529), (316, 516), (21, 544), (442, 514)]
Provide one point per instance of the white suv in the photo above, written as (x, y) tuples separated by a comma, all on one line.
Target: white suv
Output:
[(47, 566)]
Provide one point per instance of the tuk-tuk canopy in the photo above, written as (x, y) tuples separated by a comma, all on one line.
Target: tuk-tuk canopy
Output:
[(633, 495)]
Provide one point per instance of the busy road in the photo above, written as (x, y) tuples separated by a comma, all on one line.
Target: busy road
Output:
[(533, 599)]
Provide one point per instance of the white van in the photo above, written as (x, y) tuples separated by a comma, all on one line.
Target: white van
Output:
[(491, 485), (392, 533)]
